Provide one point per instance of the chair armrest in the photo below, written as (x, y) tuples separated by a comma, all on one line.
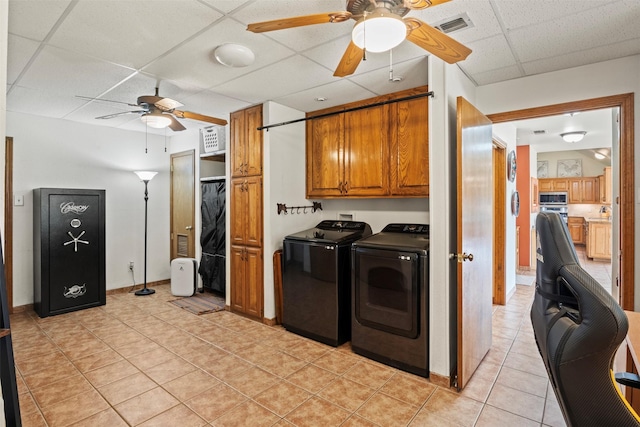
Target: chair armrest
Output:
[(628, 379)]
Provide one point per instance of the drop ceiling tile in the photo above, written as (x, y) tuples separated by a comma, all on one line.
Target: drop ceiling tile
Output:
[(40, 102), (63, 72), (338, 92), (584, 57), (91, 110), (213, 104), (299, 38), (479, 11), (127, 32), (19, 53), (520, 13), (414, 73), (35, 18), (203, 70), (488, 54), (227, 6), (494, 76), (281, 79), (574, 33)]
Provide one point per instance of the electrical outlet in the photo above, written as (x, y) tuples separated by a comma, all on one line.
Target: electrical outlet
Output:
[(130, 265)]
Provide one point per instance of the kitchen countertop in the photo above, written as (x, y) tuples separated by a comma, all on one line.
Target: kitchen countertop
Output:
[(607, 220)]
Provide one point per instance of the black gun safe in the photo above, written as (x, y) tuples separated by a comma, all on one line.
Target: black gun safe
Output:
[(68, 249)]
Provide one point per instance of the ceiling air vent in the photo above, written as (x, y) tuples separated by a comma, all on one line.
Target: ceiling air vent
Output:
[(539, 132), (456, 23)]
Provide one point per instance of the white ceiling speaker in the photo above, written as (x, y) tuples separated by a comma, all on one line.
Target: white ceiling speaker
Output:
[(234, 55)]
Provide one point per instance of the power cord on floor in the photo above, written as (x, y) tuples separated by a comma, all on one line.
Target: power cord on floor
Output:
[(133, 280)]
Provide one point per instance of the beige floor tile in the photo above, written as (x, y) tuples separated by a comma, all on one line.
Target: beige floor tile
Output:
[(523, 381), (478, 388), (408, 388), (110, 373), (427, 418), (74, 409), (151, 358), (282, 398), (312, 378), (453, 407), (308, 350), (357, 421), (27, 403), (248, 413), (33, 365), (494, 417), (282, 364), (61, 390), (346, 393), (387, 411), (532, 364), (370, 374), (228, 367), (177, 416), (126, 388), (336, 361), (253, 381), (97, 360), (169, 370), (317, 412), (107, 418), (190, 385), (517, 402), (553, 414), (215, 402), (146, 406), (56, 373)]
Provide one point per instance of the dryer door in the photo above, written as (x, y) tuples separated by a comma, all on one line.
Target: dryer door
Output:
[(386, 290)]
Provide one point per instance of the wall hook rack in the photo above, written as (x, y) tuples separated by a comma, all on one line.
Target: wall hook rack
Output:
[(282, 208)]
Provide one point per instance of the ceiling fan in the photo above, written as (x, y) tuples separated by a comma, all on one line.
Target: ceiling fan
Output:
[(159, 112), (380, 26)]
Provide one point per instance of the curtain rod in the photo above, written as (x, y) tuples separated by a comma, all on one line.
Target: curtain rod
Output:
[(348, 110)]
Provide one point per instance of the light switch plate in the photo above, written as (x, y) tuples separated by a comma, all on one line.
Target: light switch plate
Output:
[(18, 200)]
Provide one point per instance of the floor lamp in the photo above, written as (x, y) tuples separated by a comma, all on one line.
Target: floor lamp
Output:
[(145, 176)]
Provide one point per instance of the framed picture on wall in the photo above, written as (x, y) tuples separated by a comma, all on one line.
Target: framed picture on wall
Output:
[(543, 169), (569, 168)]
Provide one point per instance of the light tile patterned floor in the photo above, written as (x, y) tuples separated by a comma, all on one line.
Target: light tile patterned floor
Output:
[(143, 361)]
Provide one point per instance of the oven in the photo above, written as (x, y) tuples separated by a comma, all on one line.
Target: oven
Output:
[(563, 211), (390, 297)]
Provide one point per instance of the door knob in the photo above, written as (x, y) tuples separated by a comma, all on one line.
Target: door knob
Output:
[(188, 227), (461, 257)]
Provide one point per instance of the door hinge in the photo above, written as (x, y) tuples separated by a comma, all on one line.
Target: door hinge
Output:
[(455, 380)]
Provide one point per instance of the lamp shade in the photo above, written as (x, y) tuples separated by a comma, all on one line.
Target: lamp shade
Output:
[(156, 120), (145, 175), (573, 136), (379, 31)]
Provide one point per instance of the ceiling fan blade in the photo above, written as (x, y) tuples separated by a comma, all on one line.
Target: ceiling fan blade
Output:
[(298, 21), (110, 116), (350, 61), (105, 100), (199, 117), (167, 104), (175, 125), (422, 4), (435, 42)]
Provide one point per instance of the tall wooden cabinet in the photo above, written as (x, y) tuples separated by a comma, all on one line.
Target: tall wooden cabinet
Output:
[(380, 151), (246, 212)]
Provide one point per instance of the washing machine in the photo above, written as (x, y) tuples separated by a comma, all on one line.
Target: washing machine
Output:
[(390, 289), (316, 282)]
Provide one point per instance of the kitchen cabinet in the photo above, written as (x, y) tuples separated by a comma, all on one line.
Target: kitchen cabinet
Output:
[(576, 225), (599, 239), (247, 280), (553, 184), (246, 227), (604, 182), (379, 151), (246, 142), (583, 190)]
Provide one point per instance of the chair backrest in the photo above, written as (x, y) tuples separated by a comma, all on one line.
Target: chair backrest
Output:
[(578, 328)]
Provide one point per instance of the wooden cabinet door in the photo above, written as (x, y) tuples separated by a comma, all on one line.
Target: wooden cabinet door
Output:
[(606, 193), (253, 211), (238, 278), (253, 145), (254, 282), (599, 241), (325, 156), (575, 190), (410, 147), (575, 230), (545, 184), (560, 184), (237, 143), (366, 137), (238, 211), (590, 190)]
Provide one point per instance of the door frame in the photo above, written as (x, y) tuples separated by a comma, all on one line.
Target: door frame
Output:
[(499, 222), (8, 219), (625, 103)]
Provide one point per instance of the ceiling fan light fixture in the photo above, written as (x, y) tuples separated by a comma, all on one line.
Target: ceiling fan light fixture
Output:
[(234, 55), (156, 120), (572, 137), (380, 31)]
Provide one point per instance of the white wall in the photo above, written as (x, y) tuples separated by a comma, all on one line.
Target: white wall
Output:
[(590, 81), (507, 134), (590, 165), (63, 154)]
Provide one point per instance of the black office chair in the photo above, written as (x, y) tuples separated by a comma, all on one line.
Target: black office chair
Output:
[(578, 327)]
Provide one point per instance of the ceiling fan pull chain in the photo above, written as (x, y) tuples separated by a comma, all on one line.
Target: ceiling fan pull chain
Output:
[(390, 65)]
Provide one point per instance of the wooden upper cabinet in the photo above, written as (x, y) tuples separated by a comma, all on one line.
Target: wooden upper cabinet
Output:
[(605, 186), (325, 156), (378, 151), (246, 142), (246, 209), (583, 190), (410, 147), (366, 136)]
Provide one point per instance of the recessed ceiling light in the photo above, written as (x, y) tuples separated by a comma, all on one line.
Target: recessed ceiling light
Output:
[(234, 55)]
